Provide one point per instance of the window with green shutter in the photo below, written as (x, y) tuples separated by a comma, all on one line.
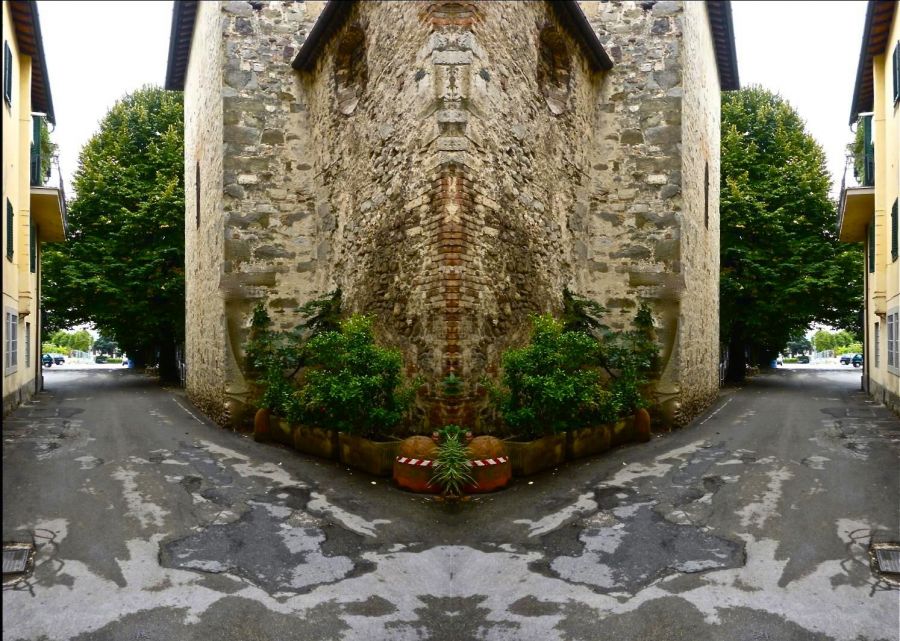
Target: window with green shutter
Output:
[(894, 232), (871, 247), (32, 247), (9, 229), (897, 71), (7, 73)]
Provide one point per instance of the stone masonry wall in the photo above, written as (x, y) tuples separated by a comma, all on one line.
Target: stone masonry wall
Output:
[(271, 228), (452, 166), (204, 314), (633, 249), (698, 338)]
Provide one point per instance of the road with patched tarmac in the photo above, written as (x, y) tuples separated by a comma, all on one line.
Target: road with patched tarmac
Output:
[(754, 522)]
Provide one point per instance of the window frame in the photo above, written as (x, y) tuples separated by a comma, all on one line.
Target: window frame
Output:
[(893, 341), (27, 345), (10, 341)]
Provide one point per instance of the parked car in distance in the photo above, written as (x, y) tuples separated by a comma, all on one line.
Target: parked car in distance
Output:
[(846, 358), (47, 360), (59, 359), (857, 360), (803, 358), (100, 359)]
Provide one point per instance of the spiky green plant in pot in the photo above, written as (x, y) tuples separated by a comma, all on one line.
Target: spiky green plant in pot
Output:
[(451, 466)]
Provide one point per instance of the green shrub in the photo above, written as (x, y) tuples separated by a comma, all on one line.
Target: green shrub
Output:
[(274, 358), (575, 371), (351, 384)]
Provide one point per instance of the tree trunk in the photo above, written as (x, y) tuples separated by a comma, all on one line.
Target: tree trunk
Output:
[(737, 360), (168, 365)]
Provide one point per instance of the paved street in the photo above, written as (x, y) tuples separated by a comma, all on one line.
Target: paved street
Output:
[(752, 523)]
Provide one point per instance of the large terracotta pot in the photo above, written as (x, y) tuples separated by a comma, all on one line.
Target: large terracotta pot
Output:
[(531, 457), (491, 468), (642, 425), (316, 441), (374, 457), (414, 464), (261, 427)]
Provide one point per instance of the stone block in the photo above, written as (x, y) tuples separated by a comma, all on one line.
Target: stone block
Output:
[(240, 135), (452, 57)]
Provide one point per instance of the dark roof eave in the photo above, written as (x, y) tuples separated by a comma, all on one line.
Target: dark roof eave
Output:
[(335, 12), (879, 16), (184, 14), (42, 61), (571, 14), (721, 25)]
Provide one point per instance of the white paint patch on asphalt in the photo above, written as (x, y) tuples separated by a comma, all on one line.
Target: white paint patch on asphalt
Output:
[(223, 452), (319, 503), (812, 601), (658, 469), (147, 512), (584, 503), (758, 512)]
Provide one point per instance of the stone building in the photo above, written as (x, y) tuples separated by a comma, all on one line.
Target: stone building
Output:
[(452, 167)]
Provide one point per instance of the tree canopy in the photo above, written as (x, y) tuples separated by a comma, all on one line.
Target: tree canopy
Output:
[(122, 267), (783, 267)]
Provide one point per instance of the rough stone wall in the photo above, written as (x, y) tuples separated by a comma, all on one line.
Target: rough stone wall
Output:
[(452, 166), (634, 246), (698, 337), (204, 317), (452, 181)]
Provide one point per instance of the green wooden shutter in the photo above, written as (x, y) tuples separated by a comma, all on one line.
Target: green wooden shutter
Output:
[(872, 246), (894, 232), (897, 71), (9, 229), (7, 73)]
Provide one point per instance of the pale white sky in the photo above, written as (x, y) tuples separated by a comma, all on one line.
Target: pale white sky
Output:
[(99, 51), (96, 53)]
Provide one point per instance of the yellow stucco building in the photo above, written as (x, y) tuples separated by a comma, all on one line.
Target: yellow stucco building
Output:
[(868, 211), (34, 212)]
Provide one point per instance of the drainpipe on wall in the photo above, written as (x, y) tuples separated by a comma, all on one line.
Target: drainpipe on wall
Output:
[(867, 353)]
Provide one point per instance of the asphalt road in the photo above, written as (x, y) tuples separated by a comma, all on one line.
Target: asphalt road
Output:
[(151, 523)]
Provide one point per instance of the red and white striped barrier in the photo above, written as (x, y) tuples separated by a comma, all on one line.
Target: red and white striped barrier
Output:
[(424, 462), (418, 462)]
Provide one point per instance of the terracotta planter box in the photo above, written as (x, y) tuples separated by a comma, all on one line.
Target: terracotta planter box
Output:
[(374, 457), (414, 474), (588, 441), (623, 432), (531, 457), (490, 476), (280, 431), (316, 441)]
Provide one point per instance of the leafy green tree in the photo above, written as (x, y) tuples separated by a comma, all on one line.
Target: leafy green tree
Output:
[(123, 265), (798, 345), (82, 340), (782, 265), (105, 345), (823, 340)]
